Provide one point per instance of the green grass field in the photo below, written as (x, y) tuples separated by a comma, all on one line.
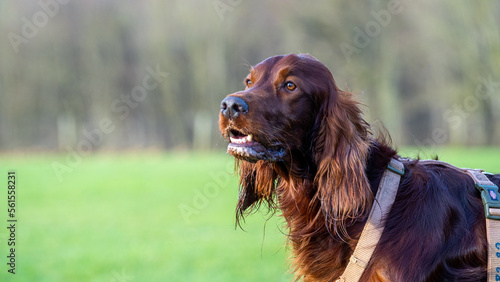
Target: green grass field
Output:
[(148, 217)]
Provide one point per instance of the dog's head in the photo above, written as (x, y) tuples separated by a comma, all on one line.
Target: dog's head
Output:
[(291, 121), (276, 112)]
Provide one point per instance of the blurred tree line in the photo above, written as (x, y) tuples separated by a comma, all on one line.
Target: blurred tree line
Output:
[(109, 74)]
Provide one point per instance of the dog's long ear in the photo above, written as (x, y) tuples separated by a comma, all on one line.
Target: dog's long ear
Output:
[(340, 149), (257, 185)]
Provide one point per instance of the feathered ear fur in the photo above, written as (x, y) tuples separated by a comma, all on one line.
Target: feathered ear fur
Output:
[(340, 149), (257, 185)]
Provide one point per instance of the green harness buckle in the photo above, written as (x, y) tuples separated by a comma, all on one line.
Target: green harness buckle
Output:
[(491, 200)]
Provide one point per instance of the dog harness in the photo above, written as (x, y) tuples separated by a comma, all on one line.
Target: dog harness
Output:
[(384, 199), (375, 224)]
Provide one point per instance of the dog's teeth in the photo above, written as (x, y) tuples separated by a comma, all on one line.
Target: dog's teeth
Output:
[(246, 139)]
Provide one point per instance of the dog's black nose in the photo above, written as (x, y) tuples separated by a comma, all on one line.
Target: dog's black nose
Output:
[(231, 107)]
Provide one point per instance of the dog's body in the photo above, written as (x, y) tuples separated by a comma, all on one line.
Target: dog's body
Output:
[(302, 146)]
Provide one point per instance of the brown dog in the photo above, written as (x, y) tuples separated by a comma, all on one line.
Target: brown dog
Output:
[(301, 145)]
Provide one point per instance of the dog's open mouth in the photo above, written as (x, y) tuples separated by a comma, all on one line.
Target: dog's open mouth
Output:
[(244, 146)]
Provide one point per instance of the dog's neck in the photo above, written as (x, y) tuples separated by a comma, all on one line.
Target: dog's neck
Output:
[(309, 229)]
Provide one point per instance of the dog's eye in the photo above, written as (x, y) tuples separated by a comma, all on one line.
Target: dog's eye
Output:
[(248, 82), (290, 86)]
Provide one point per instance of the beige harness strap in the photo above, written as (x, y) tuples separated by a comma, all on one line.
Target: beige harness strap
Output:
[(385, 198), (375, 224), (491, 202)]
